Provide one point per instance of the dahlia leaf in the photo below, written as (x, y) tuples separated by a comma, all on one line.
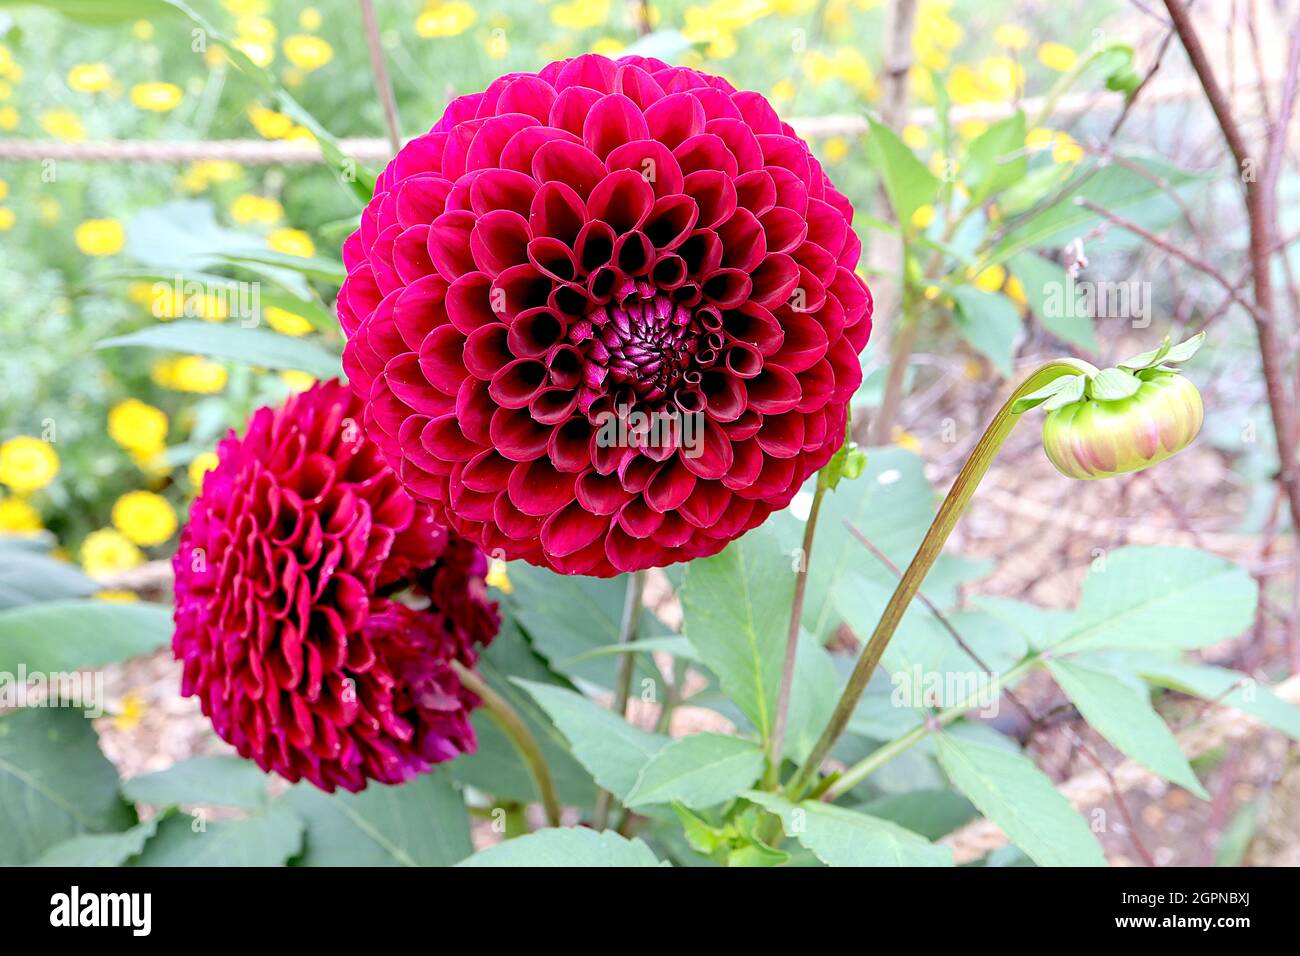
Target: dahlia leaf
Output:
[(1036, 398), (908, 183), (73, 634), (54, 783), (612, 750), (1045, 285), (841, 837), (1161, 597), (567, 847), (270, 837), (1011, 791), (736, 611), (259, 347), (1122, 713), (1113, 385), (100, 849), (207, 781), (996, 158), (989, 322), (698, 771), (28, 577), (419, 823)]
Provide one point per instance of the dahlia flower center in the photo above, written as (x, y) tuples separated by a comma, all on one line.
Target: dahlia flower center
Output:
[(654, 343)]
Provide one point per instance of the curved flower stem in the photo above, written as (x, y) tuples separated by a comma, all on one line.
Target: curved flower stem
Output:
[(777, 742), (950, 512), (514, 727), (628, 630)]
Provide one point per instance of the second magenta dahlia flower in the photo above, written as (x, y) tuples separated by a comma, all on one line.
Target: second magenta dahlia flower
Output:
[(319, 607), (605, 243)]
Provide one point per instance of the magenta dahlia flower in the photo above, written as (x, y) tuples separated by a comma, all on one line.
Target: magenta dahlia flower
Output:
[(319, 607), (604, 317)]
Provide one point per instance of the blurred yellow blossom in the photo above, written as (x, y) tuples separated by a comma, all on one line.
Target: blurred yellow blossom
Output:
[(445, 19), (7, 218), (297, 381), (498, 577), (1066, 150), (835, 149), (156, 97), (923, 216), (291, 242), (115, 596), (964, 85), (607, 46), (129, 713), (63, 124), (309, 18), (286, 322), (137, 426), (89, 78), (915, 137), (584, 14), (6, 60), (246, 8), (27, 464), (100, 237), (142, 30), (107, 552), (1012, 36), (17, 516), (201, 464), (784, 90), (1001, 77), (8, 118), (308, 52), (145, 518), (248, 209), (256, 28), (263, 54), (990, 279), (969, 129), (199, 176), (1039, 138), (846, 64), (1015, 291), (1056, 56), (906, 440), (190, 373)]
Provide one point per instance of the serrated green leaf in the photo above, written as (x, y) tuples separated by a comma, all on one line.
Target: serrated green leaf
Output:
[(60, 636), (1124, 716), (612, 750), (841, 837), (269, 837), (557, 847), (1007, 788), (201, 781), (1036, 398), (1113, 385), (100, 849), (698, 771), (1073, 391), (908, 182)]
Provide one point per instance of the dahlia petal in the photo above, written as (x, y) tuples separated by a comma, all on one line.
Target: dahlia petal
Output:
[(491, 139), (442, 358), (517, 383), (517, 156), (572, 528), (557, 211), (486, 350), (517, 436), (590, 70), (499, 240), (740, 142), (420, 200), (449, 244), (756, 191), (570, 110), (568, 163), (612, 121), (537, 489), (773, 390), (501, 189), (637, 85), (670, 221), (704, 151), (713, 457), (675, 119), (468, 302), (600, 494), (714, 193), (527, 94)]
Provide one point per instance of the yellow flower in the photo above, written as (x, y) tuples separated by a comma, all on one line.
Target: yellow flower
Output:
[(923, 216), (113, 596), (286, 322), (18, 516), (1012, 36), (1039, 138), (142, 30), (1065, 150), (291, 242), (190, 373), (130, 712), (964, 85), (256, 28), (6, 60), (202, 463), (263, 54), (1016, 292), (498, 577), (8, 118), (906, 440), (245, 8), (260, 209), (6, 90), (204, 173), (971, 128), (990, 279), (301, 134), (1001, 77), (784, 90), (1056, 56), (64, 125), (100, 237), (584, 14), (7, 219), (607, 46), (297, 381), (269, 123), (89, 77), (144, 517), (846, 65), (445, 19), (915, 137), (137, 426), (156, 97), (27, 464), (107, 552), (309, 18), (308, 52), (835, 149)]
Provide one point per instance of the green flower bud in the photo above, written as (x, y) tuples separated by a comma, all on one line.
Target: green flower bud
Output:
[(1097, 437)]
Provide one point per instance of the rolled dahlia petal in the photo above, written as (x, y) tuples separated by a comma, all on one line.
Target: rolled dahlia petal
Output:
[(605, 317), (319, 607)]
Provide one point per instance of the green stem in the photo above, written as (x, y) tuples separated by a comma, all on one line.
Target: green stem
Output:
[(950, 512), (513, 725), (776, 745), (882, 755), (627, 634)]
